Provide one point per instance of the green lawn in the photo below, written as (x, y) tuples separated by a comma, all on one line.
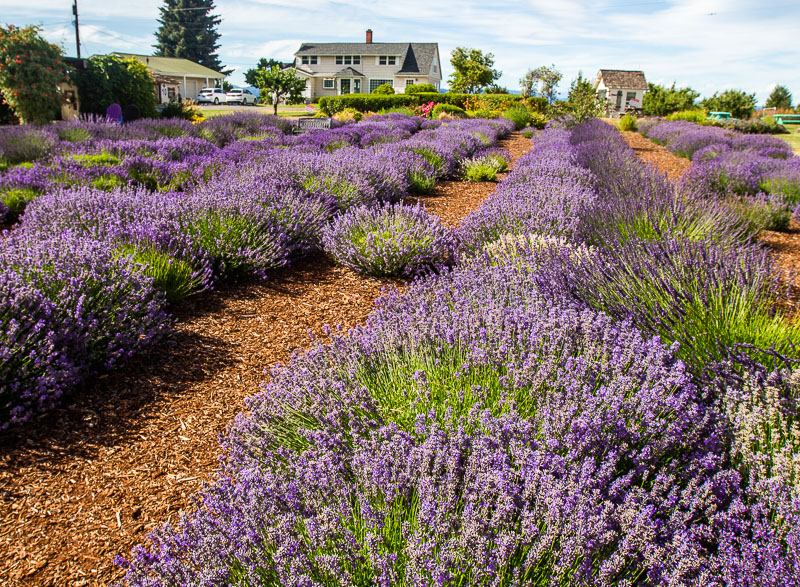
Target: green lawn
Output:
[(794, 138)]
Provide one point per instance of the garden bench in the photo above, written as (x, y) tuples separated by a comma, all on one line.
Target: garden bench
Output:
[(720, 116), (787, 118), (305, 123)]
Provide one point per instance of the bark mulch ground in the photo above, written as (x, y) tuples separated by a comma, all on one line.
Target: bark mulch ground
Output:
[(87, 482), (785, 246), (658, 155), (454, 200)]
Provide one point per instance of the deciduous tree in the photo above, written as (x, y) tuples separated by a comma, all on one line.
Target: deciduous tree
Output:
[(542, 81), (30, 70), (472, 70), (739, 103), (661, 101), (189, 30), (276, 83), (109, 79), (263, 63)]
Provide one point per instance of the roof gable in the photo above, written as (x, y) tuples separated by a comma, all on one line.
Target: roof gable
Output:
[(615, 79), (414, 57)]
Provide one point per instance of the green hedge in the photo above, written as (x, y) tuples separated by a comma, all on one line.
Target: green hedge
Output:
[(373, 103)]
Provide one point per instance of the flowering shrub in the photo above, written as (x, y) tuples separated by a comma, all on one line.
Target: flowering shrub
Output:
[(390, 240), (30, 70)]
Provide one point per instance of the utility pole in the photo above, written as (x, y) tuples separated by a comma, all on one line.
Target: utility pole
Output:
[(77, 36)]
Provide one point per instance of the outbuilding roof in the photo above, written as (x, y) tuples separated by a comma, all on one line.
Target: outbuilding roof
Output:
[(616, 79), (414, 57), (173, 65)]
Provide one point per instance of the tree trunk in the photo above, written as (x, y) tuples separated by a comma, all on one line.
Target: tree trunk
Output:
[(275, 104)]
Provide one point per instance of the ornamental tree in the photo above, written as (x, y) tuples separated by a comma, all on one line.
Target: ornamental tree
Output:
[(30, 70), (473, 70), (780, 97), (276, 83)]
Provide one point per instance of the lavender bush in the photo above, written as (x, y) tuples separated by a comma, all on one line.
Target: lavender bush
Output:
[(391, 240)]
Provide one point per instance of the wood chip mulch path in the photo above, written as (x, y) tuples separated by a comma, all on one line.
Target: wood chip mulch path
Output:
[(89, 481), (784, 246)]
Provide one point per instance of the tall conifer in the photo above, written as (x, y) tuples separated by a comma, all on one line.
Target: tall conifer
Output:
[(189, 30)]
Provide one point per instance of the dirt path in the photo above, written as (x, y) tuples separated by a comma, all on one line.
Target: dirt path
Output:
[(87, 482), (785, 246)]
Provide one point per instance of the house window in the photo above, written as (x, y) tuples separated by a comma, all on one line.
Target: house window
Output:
[(435, 69), (387, 60), (309, 59), (630, 96), (374, 83), (348, 60), (409, 82), (328, 84)]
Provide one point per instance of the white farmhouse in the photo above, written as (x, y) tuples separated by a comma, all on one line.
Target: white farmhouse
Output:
[(353, 68), (621, 89)]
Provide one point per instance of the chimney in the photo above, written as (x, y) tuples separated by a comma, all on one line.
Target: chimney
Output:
[(369, 36)]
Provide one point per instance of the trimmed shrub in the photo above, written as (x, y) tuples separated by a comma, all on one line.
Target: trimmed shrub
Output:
[(421, 88), (384, 89), (696, 116), (486, 165), (395, 239)]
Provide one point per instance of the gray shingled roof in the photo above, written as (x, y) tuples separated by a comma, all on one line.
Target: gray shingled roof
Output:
[(616, 79), (348, 72), (414, 57)]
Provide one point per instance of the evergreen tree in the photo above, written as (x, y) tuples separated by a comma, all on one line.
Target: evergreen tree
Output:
[(583, 102), (780, 97), (189, 30)]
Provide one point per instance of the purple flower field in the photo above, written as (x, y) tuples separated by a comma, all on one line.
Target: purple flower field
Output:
[(113, 223), (601, 391), (758, 175)]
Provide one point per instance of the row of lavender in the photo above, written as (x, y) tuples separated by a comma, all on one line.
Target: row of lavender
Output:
[(595, 396), (757, 174), (87, 275)]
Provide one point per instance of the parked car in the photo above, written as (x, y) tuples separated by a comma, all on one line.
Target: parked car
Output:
[(242, 96), (212, 96)]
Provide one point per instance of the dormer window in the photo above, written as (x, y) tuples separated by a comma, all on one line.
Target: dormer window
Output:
[(348, 60), (308, 59), (387, 60)]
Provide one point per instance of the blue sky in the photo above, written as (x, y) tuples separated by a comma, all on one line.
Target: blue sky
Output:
[(709, 45)]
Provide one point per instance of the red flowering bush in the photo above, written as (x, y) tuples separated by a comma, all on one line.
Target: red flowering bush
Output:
[(30, 70)]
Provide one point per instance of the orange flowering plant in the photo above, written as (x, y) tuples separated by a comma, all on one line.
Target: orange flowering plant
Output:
[(30, 70)]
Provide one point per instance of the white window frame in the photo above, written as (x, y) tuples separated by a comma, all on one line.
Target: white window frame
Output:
[(410, 82), (308, 60), (387, 60), (348, 60), (380, 82), (327, 80)]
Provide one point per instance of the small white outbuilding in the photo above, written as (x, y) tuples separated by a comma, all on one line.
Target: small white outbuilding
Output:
[(622, 90)]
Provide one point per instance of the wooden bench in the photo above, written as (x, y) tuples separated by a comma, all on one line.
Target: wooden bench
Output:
[(305, 123), (787, 118)]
